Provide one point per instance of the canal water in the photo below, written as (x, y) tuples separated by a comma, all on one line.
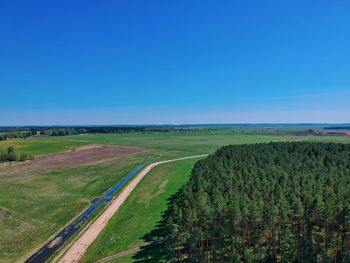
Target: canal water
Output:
[(58, 241)]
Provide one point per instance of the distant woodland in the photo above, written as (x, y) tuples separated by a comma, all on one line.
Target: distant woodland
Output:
[(276, 202), (13, 132)]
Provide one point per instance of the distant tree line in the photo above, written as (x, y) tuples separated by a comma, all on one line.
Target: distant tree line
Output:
[(24, 132), (338, 128), (276, 202), (14, 135), (86, 130), (11, 156)]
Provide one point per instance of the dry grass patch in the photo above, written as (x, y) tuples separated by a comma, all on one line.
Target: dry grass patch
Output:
[(86, 155)]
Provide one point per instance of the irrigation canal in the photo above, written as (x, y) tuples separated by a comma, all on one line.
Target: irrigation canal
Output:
[(58, 241)]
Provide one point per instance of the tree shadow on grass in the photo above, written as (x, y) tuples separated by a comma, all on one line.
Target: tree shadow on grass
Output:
[(157, 250)]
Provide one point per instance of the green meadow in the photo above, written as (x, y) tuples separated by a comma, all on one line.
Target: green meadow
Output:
[(33, 209), (179, 143), (40, 146), (182, 142)]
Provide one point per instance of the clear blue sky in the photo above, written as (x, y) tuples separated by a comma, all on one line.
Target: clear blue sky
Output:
[(180, 61)]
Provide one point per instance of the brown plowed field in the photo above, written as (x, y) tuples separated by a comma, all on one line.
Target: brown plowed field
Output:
[(81, 156)]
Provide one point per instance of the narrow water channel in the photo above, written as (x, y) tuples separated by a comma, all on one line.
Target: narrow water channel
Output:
[(58, 241)]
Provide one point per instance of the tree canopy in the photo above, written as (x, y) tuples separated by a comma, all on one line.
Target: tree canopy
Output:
[(275, 202)]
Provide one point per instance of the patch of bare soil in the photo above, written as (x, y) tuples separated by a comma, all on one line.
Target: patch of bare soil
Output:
[(334, 132), (91, 154)]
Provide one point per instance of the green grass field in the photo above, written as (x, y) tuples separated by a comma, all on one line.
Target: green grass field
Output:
[(39, 146), (148, 201), (35, 205), (188, 142), (31, 210), (179, 143)]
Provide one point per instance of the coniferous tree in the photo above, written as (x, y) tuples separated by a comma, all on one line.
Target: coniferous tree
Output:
[(276, 202)]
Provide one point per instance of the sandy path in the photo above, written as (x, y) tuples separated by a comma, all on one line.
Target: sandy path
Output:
[(76, 251), (127, 252)]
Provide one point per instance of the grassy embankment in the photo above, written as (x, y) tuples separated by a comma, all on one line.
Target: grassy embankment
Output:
[(148, 201)]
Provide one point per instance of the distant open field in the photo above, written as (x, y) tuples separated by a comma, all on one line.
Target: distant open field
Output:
[(185, 141), (196, 141), (40, 146), (44, 203), (91, 154), (178, 143)]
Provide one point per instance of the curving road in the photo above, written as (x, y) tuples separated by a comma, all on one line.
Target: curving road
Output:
[(78, 248)]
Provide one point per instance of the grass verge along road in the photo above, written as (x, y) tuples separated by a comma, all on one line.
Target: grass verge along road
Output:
[(76, 251)]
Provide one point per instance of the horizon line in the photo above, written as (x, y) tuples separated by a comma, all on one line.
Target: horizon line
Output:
[(179, 124)]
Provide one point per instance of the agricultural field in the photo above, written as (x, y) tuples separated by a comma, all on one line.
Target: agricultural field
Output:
[(47, 200), (40, 146), (34, 208), (197, 141), (86, 155)]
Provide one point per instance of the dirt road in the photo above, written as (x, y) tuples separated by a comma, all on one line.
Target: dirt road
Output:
[(127, 252), (76, 251)]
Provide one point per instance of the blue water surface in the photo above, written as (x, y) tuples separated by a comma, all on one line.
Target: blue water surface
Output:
[(53, 245)]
